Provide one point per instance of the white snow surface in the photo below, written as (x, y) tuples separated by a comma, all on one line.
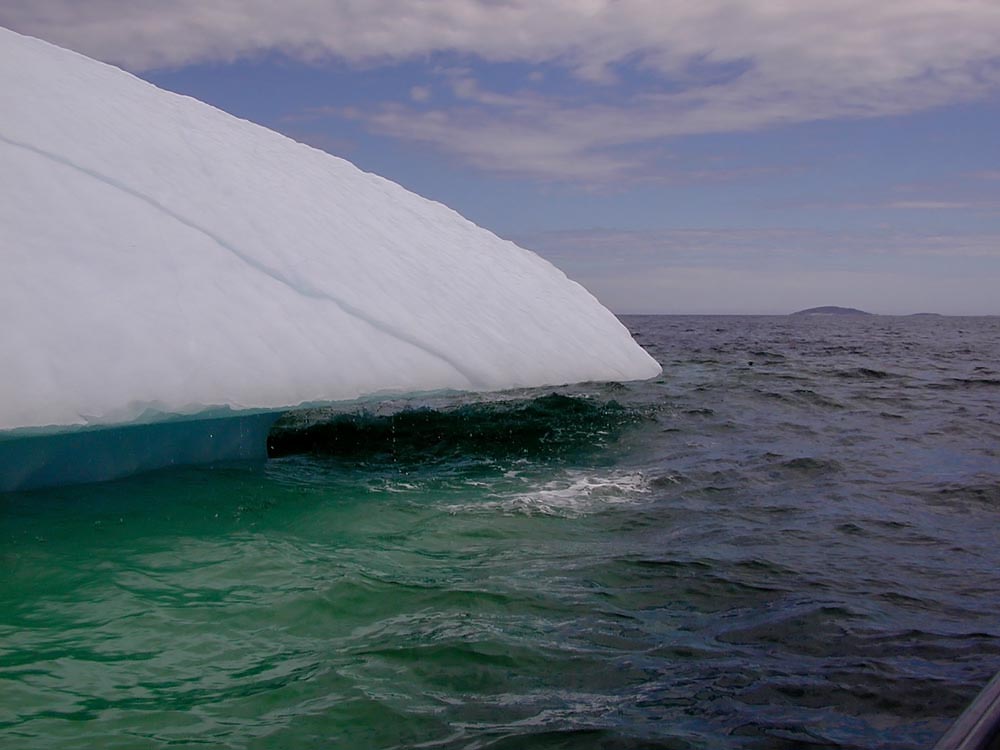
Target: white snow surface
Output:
[(160, 256)]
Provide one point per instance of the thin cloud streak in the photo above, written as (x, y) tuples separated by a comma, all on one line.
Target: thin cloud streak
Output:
[(778, 270), (707, 291), (743, 248)]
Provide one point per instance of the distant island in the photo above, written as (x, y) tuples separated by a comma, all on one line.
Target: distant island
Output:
[(831, 310)]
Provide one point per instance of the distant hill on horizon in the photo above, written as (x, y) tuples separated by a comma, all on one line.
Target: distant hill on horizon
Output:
[(831, 310)]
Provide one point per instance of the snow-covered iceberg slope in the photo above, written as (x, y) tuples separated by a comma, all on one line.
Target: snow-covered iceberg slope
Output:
[(160, 256)]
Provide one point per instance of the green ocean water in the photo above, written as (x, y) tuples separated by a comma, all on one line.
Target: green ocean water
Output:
[(789, 540)]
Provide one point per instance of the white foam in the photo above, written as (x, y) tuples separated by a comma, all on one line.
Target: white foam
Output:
[(162, 257), (575, 493)]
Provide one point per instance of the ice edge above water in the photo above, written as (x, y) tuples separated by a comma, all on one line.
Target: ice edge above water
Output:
[(164, 253)]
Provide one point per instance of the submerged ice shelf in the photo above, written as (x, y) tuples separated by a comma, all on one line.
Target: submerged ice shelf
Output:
[(164, 257), (92, 455)]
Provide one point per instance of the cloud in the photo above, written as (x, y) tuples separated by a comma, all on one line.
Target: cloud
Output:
[(420, 93), (778, 270), (929, 205), (741, 248), (639, 71), (696, 290)]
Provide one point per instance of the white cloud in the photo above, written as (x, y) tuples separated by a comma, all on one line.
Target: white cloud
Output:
[(420, 93), (742, 248), (779, 270), (697, 290), (927, 205), (707, 66)]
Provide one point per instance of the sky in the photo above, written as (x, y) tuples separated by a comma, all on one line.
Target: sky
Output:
[(673, 156)]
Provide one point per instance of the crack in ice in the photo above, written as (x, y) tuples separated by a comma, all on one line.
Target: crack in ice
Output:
[(305, 290)]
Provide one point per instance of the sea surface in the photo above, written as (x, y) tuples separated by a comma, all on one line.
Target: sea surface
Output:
[(789, 540)]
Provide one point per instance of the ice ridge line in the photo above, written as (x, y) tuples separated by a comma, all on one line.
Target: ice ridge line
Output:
[(305, 290)]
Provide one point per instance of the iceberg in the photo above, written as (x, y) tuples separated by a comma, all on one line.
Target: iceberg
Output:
[(165, 261)]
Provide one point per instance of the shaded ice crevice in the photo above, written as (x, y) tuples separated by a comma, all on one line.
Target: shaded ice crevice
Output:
[(304, 289)]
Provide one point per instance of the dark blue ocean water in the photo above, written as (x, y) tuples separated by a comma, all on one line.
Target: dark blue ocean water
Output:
[(791, 539)]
